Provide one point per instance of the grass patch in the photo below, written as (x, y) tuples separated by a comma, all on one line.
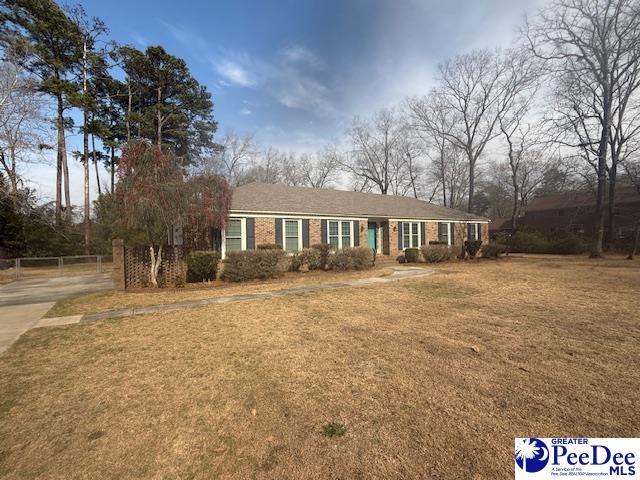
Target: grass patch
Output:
[(333, 429), (441, 290), (235, 391)]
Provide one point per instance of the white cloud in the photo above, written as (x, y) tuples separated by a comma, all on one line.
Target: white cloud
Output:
[(245, 111), (301, 54), (234, 73)]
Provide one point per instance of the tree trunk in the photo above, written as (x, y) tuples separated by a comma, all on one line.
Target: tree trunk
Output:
[(472, 166), (159, 117), (95, 163), (113, 170), (155, 265), (613, 173), (127, 122), (596, 251), (61, 155), (635, 241), (85, 155)]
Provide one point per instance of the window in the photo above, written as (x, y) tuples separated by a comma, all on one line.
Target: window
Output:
[(410, 235), (233, 236), (443, 232), (292, 238), (339, 232), (472, 231)]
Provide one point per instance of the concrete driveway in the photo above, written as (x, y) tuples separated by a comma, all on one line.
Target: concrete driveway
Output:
[(24, 302)]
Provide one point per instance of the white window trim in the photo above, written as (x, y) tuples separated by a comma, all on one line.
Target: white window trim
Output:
[(404, 247), (243, 236), (340, 222), (477, 225), (284, 233)]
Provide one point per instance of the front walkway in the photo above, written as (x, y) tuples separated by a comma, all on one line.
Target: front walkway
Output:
[(399, 273)]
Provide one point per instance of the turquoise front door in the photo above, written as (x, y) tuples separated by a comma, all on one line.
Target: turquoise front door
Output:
[(372, 236)]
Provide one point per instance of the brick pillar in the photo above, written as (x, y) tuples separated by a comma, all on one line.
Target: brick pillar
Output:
[(118, 264)]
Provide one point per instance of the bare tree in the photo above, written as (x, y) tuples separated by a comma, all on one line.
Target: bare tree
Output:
[(321, 170), (632, 169), (471, 90), (594, 43), (21, 121), (377, 157), (236, 154)]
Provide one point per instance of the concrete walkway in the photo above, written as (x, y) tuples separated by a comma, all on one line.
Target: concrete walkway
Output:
[(24, 302), (399, 273)]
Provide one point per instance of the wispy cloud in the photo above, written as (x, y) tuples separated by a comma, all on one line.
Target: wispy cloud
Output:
[(302, 55), (234, 73), (245, 111), (291, 78), (139, 39)]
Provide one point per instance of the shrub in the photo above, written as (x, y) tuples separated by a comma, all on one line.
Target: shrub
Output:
[(252, 264), (307, 256), (202, 266), (531, 242), (492, 250), (269, 246), (401, 259), (437, 253), (324, 249), (357, 258), (472, 247), (457, 251), (374, 252), (412, 255)]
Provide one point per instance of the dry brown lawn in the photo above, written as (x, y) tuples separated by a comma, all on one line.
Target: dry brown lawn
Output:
[(432, 378), (112, 300)]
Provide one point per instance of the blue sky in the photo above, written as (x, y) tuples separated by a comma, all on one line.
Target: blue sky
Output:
[(294, 73)]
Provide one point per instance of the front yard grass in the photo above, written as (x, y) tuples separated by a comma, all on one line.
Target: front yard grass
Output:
[(383, 381), (111, 300)]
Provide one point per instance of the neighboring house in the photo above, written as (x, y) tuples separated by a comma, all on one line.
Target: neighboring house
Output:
[(298, 217), (576, 212)]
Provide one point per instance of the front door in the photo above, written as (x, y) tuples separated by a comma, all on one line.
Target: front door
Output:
[(373, 235)]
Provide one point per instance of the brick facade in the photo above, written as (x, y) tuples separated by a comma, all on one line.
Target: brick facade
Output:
[(315, 232), (265, 230), (431, 232)]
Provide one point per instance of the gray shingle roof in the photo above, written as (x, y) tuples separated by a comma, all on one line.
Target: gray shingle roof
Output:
[(269, 198)]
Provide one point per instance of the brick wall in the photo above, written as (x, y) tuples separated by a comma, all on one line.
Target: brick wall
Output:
[(460, 233), (364, 232), (315, 232), (265, 230), (484, 232), (431, 232), (392, 240)]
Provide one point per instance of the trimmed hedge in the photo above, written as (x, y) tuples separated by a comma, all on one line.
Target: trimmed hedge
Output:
[(269, 246), (253, 264), (325, 250), (202, 266), (438, 253), (472, 247), (530, 242), (357, 258), (310, 257), (412, 255), (492, 250)]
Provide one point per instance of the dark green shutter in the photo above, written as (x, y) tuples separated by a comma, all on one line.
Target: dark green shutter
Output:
[(479, 232), (399, 235), (356, 233), (452, 229), (422, 234), (323, 232), (251, 234), (279, 232), (305, 233)]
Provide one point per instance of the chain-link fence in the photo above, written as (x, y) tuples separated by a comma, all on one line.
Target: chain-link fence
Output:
[(28, 267)]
